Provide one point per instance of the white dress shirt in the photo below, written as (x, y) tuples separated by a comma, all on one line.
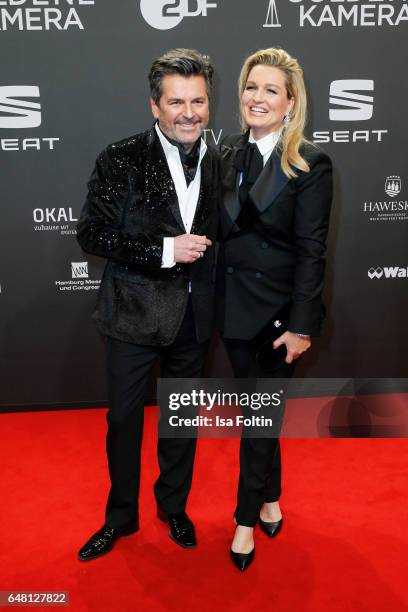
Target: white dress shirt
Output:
[(187, 195), (266, 144)]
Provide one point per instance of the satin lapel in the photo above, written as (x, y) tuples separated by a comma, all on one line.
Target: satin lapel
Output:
[(230, 179), (163, 180), (203, 205), (269, 184)]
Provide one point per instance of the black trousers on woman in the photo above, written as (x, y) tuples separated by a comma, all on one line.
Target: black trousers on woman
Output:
[(260, 458), (129, 368)]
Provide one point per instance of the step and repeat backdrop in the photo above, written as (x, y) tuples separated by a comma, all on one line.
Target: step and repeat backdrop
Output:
[(74, 78)]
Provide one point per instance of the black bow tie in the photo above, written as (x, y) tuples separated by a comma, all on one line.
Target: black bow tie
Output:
[(249, 161), (189, 161)]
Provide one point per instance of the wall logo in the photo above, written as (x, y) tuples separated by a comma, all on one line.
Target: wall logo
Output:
[(272, 19), (359, 107), (19, 113), (388, 272), (80, 280), (167, 14), (36, 15), (79, 269), (388, 210), (355, 107), (375, 273), (338, 13), (393, 185)]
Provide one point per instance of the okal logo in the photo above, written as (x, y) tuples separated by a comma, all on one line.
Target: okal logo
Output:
[(393, 185), (79, 269), (19, 113), (359, 107), (62, 220), (167, 14), (388, 272)]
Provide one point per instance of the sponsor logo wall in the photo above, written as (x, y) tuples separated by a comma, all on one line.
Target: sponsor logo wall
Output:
[(340, 13), (75, 80)]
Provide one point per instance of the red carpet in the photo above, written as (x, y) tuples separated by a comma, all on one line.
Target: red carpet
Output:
[(343, 546)]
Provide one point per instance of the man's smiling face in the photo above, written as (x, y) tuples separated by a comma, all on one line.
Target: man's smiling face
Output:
[(183, 109)]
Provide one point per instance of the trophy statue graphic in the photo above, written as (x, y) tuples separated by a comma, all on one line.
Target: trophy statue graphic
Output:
[(272, 19)]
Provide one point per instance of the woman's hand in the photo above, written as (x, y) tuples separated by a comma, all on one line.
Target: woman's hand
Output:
[(295, 345)]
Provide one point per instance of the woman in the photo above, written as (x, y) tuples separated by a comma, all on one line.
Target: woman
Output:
[(277, 191)]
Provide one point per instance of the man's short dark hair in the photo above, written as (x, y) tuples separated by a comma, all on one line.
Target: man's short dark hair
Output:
[(186, 62)]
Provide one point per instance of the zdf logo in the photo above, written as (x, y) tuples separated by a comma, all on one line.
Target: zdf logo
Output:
[(20, 113), (167, 14), (360, 106)]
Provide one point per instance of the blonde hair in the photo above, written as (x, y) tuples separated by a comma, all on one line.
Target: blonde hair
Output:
[(292, 136)]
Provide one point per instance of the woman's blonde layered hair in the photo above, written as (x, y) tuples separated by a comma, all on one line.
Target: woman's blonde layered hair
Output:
[(292, 135)]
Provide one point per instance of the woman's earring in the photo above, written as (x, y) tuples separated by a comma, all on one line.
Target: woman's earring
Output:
[(286, 120)]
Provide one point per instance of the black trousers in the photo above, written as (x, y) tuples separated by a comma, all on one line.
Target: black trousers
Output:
[(260, 458), (128, 369)]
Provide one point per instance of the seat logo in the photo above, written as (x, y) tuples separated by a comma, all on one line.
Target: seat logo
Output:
[(358, 106), (16, 112)]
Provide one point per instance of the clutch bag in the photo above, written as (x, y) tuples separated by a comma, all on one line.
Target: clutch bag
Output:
[(268, 358)]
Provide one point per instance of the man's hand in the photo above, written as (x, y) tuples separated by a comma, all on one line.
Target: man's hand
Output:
[(190, 247), (295, 345)]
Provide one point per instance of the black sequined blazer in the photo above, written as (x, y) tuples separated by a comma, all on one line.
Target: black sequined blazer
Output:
[(131, 205)]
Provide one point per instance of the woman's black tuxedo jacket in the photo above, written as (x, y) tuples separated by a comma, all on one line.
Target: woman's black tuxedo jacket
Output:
[(279, 257), (131, 205)]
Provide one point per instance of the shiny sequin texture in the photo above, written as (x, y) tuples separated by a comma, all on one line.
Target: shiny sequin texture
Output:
[(131, 205), (114, 192)]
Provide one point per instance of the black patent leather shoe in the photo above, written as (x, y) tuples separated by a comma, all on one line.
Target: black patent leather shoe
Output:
[(181, 528), (271, 529), (242, 560), (103, 541)]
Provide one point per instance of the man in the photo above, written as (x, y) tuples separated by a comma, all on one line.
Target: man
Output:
[(151, 211)]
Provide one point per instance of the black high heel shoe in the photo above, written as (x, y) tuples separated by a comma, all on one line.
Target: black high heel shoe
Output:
[(271, 529), (242, 560)]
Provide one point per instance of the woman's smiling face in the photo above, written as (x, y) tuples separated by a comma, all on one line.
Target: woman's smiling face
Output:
[(264, 101)]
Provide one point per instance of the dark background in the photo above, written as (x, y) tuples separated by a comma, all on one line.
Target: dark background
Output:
[(93, 91)]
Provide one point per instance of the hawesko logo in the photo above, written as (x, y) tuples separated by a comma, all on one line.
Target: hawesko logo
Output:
[(79, 269), (19, 113), (393, 185), (360, 106), (167, 14), (388, 272)]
